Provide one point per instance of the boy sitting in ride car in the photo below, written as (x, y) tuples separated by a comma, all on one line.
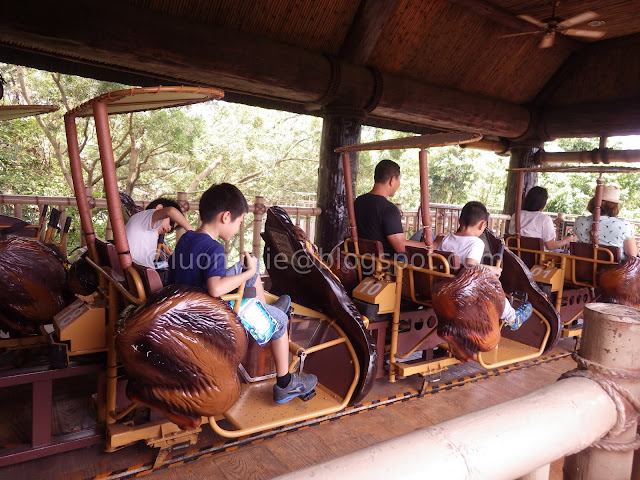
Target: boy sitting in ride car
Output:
[(144, 228), (470, 249), (199, 260)]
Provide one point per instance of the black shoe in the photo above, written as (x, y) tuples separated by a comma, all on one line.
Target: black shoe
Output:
[(283, 303)]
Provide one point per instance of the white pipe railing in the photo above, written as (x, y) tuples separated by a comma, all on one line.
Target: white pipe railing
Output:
[(520, 438)]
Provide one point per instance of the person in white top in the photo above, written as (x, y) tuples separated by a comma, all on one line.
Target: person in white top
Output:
[(143, 229), (534, 223), (470, 249), (613, 231)]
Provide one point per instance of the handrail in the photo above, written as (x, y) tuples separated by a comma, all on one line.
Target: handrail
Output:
[(548, 424)]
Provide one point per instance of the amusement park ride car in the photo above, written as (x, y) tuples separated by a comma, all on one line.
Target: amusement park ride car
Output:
[(342, 339), (332, 344), (570, 279), (397, 294)]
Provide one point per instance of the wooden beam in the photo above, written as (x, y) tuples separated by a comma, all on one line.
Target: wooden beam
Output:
[(410, 100), (592, 120), (150, 44), (370, 20)]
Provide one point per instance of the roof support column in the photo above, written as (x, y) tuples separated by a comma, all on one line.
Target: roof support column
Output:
[(521, 156), (341, 127)]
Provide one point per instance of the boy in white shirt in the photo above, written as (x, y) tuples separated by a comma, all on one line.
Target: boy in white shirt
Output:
[(470, 249), (144, 228)]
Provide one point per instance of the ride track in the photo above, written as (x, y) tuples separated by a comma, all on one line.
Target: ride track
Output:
[(235, 444)]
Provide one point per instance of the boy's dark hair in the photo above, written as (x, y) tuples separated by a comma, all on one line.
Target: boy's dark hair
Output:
[(385, 169), (472, 213), (165, 202), (223, 197), (535, 199)]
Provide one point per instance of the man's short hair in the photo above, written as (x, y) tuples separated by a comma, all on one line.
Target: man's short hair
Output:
[(535, 199), (472, 213), (385, 169), (223, 197), (165, 202)]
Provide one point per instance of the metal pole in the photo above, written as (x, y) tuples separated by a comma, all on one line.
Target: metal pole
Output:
[(424, 199), (79, 188), (348, 187), (518, 211), (111, 182), (597, 203)]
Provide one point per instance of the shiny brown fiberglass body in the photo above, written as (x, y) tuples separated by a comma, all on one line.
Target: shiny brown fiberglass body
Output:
[(469, 307), (181, 350), (32, 284), (621, 283)]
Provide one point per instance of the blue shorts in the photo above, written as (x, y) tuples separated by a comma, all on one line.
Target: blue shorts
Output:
[(236, 269), (277, 314)]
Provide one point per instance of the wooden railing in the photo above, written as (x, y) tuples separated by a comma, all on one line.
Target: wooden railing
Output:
[(444, 220), (444, 217), (303, 217)]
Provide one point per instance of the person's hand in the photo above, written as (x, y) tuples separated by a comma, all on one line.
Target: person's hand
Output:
[(250, 262), (571, 237)]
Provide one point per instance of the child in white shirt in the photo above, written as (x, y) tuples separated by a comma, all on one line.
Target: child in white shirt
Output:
[(470, 249)]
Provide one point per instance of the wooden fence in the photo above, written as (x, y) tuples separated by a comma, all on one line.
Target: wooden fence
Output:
[(444, 217)]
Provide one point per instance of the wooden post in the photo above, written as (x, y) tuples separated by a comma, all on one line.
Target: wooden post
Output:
[(424, 199), (610, 338), (17, 211), (597, 204), (521, 156), (340, 127), (259, 211)]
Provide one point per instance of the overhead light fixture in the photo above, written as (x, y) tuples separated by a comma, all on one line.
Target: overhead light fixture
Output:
[(596, 23)]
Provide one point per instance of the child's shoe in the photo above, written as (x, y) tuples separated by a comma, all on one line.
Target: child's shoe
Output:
[(523, 312), (298, 385), (283, 303)]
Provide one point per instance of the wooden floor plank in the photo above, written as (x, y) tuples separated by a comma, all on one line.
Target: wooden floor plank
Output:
[(283, 453)]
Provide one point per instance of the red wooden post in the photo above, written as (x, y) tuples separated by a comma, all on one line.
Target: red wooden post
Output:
[(346, 166), (597, 203), (424, 199)]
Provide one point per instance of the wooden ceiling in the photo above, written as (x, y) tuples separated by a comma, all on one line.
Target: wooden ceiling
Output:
[(417, 64)]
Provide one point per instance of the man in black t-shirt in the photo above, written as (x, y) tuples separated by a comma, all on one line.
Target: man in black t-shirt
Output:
[(379, 219)]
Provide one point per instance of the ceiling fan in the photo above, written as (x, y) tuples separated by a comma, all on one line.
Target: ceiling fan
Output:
[(553, 24)]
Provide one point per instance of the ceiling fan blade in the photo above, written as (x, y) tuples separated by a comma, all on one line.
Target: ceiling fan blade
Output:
[(580, 18), (519, 34), (547, 40), (530, 19), (576, 32)]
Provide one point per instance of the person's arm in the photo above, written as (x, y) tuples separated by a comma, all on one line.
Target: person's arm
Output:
[(555, 244), (218, 286), (399, 241), (630, 247), (497, 271), (174, 214)]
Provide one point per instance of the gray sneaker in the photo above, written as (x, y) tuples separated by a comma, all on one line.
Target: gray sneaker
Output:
[(298, 385)]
